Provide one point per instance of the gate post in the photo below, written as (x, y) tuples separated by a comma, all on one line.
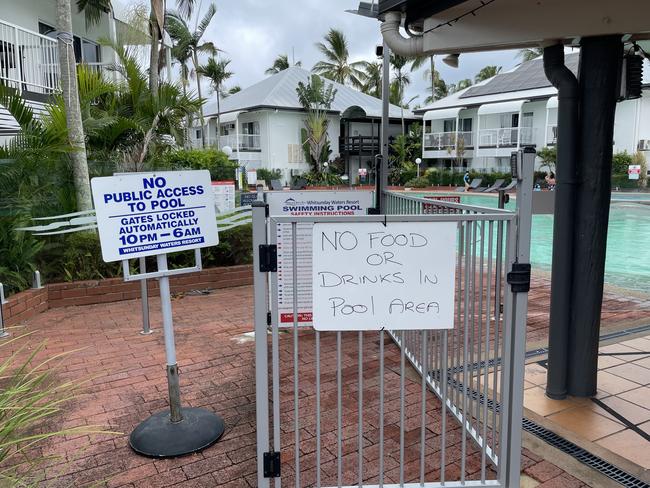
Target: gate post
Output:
[(516, 311), (260, 210)]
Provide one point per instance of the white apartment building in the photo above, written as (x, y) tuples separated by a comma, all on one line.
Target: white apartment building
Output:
[(262, 125), (29, 61), (481, 125)]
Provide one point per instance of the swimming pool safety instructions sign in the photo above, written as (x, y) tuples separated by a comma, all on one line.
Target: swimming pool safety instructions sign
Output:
[(144, 214), (305, 203), (368, 276)]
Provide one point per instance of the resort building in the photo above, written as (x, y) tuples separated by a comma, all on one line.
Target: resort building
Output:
[(478, 127), (29, 58), (262, 125)]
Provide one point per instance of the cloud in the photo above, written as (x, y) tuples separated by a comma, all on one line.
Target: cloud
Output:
[(253, 32)]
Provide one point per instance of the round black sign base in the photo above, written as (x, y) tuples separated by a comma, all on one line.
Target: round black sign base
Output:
[(159, 437)]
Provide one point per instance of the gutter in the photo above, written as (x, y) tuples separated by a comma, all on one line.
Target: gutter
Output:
[(404, 46), (561, 276)]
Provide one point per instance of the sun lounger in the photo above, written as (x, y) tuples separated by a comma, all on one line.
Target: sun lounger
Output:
[(495, 186), (510, 186), (475, 185)]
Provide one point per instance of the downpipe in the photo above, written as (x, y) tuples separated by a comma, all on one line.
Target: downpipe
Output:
[(561, 276), (404, 46)]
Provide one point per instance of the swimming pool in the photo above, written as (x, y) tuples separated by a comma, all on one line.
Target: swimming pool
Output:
[(628, 238)]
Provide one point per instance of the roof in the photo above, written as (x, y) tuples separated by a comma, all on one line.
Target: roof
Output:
[(279, 91), (526, 81)]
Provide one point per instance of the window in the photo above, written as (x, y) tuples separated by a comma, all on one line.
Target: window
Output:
[(449, 125), (91, 52), (198, 133), (465, 125), (252, 128), (46, 30), (85, 51), (227, 129)]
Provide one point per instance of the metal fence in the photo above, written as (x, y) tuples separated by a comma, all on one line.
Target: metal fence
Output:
[(415, 408)]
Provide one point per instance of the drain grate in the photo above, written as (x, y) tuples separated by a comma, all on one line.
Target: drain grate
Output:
[(585, 457)]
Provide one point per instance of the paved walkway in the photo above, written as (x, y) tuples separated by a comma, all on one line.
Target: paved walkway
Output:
[(217, 372)]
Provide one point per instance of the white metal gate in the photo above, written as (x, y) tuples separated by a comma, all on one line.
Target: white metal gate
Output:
[(410, 408)]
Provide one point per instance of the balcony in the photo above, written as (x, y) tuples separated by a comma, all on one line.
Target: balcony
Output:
[(441, 141), (356, 145), (30, 61), (242, 143), (507, 137)]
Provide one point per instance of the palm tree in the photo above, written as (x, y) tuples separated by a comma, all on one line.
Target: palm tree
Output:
[(487, 72), (217, 72), (231, 91), (157, 19), (280, 64), (530, 53), (189, 42), (337, 66), (371, 78), (70, 94), (400, 78), (461, 85)]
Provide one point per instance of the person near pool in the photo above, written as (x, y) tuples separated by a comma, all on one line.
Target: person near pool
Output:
[(550, 181), (466, 180)]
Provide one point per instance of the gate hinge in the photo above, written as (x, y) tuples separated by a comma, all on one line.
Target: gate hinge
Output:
[(268, 258), (269, 318), (519, 278), (272, 464)]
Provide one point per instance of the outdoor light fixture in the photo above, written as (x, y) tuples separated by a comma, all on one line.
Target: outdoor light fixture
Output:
[(451, 60), (227, 150)]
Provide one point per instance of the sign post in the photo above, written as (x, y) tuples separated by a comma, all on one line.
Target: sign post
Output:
[(147, 214)]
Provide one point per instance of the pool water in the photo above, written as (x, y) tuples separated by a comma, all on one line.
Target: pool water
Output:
[(628, 239)]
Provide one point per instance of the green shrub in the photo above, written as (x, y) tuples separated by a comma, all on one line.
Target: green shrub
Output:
[(620, 163), (421, 182), (268, 175), (220, 167), (623, 181), (314, 178)]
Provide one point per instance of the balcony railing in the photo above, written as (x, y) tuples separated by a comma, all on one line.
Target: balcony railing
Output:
[(507, 137), (246, 142), (440, 141), (30, 61)]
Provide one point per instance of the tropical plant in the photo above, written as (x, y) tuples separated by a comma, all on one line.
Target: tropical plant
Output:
[(31, 395), (461, 85), (530, 53), (231, 91), (280, 64), (75, 133), (620, 162), (548, 156), (640, 159), (370, 78), (316, 99), (337, 66), (217, 72), (487, 72), (189, 45), (220, 167), (157, 25)]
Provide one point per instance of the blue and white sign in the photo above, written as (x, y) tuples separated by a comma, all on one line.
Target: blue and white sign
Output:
[(143, 214)]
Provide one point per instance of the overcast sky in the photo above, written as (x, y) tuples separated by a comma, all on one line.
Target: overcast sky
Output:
[(253, 32)]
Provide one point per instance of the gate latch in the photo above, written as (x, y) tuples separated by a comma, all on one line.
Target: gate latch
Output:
[(268, 258), (272, 464), (519, 278)]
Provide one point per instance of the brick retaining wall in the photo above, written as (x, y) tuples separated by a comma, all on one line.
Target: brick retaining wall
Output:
[(25, 305)]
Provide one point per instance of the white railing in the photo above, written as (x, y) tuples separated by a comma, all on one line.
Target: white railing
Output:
[(246, 142), (28, 61), (446, 140), (507, 136)]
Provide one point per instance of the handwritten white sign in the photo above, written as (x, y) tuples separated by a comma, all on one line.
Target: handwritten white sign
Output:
[(367, 276)]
